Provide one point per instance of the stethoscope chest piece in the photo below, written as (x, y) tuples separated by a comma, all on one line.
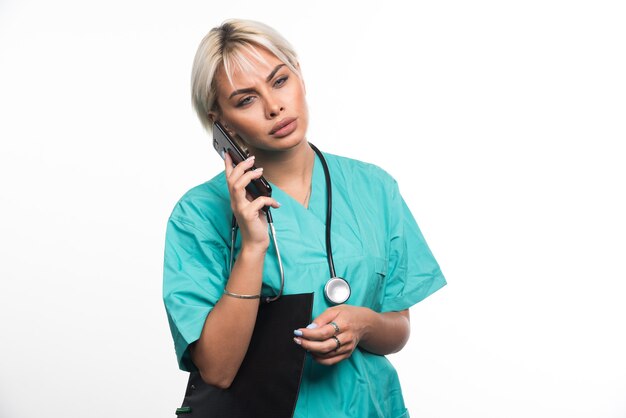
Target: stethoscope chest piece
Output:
[(337, 290)]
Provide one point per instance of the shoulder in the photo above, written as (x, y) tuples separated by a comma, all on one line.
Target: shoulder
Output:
[(350, 170), (206, 202)]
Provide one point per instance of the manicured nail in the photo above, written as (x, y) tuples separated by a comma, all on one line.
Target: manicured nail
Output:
[(297, 332), (258, 169), (297, 341), (312, 325), (250, 158)]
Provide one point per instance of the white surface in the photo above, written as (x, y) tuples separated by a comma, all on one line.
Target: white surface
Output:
[(513, 114)]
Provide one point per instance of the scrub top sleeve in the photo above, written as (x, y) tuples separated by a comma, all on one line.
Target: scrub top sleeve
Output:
[(194, 276), (412, 273)]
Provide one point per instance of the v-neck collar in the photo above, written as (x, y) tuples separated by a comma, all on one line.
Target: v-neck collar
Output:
[(316, 204)]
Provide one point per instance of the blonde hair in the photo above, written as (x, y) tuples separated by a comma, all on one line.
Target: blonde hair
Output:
[(224, 47)]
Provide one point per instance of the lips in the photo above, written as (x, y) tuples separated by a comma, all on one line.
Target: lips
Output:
[(283, 126)]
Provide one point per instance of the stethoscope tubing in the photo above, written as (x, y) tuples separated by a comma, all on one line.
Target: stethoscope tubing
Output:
[(329, 211)]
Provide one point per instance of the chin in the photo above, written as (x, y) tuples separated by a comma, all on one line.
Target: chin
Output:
[(292, 141)]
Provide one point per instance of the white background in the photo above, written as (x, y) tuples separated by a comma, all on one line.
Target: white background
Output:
[(503, 122)]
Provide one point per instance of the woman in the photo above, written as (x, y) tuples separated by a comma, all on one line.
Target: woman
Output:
[(247, 77)]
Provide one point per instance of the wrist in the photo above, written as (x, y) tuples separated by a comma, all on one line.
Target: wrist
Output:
[(371, 321), (246, 276), (252, 252)]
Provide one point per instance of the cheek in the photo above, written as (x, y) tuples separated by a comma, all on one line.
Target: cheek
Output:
[(247, 126), (243, 121), (296, 96)]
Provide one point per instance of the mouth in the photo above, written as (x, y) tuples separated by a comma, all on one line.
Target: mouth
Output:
[(284, 127)]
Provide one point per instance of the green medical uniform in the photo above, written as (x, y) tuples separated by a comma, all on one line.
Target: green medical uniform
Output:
[(377, 247)]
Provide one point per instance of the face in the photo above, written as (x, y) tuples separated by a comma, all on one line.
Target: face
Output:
[(266, 106)]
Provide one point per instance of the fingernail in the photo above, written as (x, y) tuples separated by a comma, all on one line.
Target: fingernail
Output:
[(297, 332), (258, 169), (278, 203), (297, 341), (312, 325), (250, 158)]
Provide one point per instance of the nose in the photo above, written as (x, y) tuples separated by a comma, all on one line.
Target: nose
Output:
[(273, 108)]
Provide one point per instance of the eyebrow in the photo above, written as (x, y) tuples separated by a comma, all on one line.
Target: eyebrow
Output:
[(250, 90)]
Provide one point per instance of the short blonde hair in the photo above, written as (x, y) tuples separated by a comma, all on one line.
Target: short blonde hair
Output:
[(224, 47)]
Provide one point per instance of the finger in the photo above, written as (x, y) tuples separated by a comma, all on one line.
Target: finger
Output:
[(319, 348), (327, 316), (262, 201), (346, 348), (329, 361), (321, 333), (331, 346), (240, 184), (333, 353), (241, 168), (320, 329), (228, 164)]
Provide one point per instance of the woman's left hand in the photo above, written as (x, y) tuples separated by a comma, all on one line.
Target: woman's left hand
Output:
[(335, 334)]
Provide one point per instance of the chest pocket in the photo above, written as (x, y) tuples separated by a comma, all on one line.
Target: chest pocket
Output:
[(368, 284)]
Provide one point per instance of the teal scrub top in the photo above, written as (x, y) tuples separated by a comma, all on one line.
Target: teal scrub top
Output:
[(377, 246)]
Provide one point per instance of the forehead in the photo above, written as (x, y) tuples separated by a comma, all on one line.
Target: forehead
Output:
[(244, 66)]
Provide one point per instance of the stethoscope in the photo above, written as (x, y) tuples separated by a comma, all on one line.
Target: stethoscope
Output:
[(337, 290)]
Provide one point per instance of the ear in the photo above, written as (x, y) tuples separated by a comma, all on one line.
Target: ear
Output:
[(212, 116)]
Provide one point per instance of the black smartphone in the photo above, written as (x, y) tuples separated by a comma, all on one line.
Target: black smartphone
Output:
[(223, 143)]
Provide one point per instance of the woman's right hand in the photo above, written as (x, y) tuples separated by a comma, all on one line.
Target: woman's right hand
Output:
[(250, 217)]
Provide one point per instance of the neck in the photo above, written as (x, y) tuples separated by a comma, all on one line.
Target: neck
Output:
[(290, 169)]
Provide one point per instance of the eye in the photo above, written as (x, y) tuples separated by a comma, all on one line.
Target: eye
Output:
[(281, 81), (245, 101)]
